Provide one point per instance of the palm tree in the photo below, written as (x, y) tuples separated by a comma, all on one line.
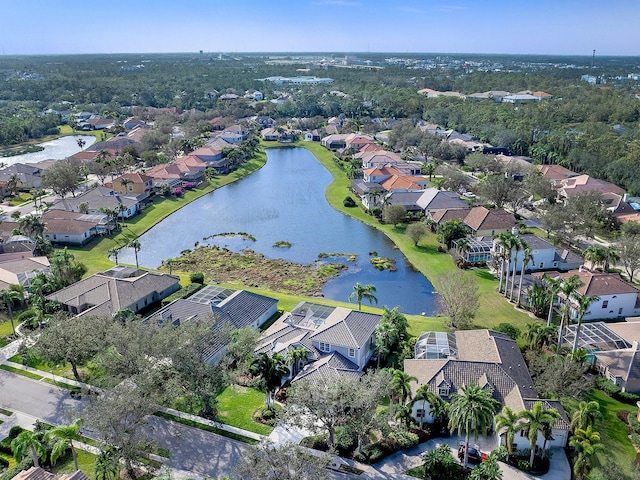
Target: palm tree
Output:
[(568, 289), (534, 420), (586, 443), (517, 246), (584, 302), (553, 284), (471, 411), (32, 225), (404, 414), (526, 259), (506, 241), (429, 169), (386, 336), (401, 382), (500, 257), (170, 262), (295, 356), (272, 368), (508, 421), (63, 437), (585, 415), (12, 184), (113, 252), (610, 255), (422, 395), (363, 292), (31, 441), (124, 182), (135, 244), (595, 254), (7, 298)]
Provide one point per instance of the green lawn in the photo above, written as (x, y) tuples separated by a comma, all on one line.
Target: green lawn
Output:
[(86, 463), (5, 328), (613, 432), (236, 405)]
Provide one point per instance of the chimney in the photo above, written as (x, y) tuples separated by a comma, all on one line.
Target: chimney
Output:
[(625, 197)]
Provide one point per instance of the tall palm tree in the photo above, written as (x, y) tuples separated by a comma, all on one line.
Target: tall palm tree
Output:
[(62, 437), (568, 289), (584, 302), (8, 298), (585, 415), (509, 422), (534, 420), (386, 336), (401, 382), (553, 285), (32, 225), (517, 246), (363, 292), (526, 259), (610, 255), (586, 443), (272, 369), (135, 244), (505, 242), (595, 254), (113, 252), (294, 357), (12, 184), (124, 182), (471, 411), (404, 414), (31, 441), (423, 396)]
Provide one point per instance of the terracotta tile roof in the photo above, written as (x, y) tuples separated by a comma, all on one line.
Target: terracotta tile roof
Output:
[(481, 218), (585, 183), (446, 214), (397, 182), (597, 283)]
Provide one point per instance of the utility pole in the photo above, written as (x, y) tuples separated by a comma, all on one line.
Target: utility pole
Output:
[(593, 57)]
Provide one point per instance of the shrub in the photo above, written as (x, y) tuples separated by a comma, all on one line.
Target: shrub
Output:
[(177, 191), (405, 439), (628, 397), (513, 332), (182, 293), (606, 386), (25, 464), (344, 440), (349, 202), (197, 277)]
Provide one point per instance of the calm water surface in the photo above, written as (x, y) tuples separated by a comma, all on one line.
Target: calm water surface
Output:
[(57, 149), (285, 200)]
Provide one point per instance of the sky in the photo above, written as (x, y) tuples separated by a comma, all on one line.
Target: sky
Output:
[(562, 27)]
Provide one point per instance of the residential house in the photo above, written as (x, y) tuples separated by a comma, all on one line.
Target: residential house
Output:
[(132, 184), (406, 199), (231, 137), (357, 142), (446, 214), (16, 247), (623, 209), (98, 122), (520, 98), (334, 142), (133, 122), (270, 134), (446, 362), (312, 136), (100, 198), (75, 228), (340, 338), (485, 222), (555, 173), (495, 95), (27, 177), (585, 183), (231, 308), (616, 298), (207, 154), (433, 199), (544, 256), (264, 121), (621, 367), (402, 183), (238, 130), (21, 271), (117, 289)]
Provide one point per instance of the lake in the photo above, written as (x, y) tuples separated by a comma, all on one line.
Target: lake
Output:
[(57, 149), (285, 201)]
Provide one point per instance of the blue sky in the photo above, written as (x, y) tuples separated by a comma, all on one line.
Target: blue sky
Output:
[(457, 26)]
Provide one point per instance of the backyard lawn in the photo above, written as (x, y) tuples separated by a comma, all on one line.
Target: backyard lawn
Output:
[(613, 432), (86, 463), (236, 405)]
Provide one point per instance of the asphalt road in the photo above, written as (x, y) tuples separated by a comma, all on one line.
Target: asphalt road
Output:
[(194, 450)]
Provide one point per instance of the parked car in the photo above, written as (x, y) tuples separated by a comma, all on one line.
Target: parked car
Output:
[(475, 455)]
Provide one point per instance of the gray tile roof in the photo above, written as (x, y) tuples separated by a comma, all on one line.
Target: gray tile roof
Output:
[(329, 369), (245, 308), (563, 422), (352, 332), (434, 199)]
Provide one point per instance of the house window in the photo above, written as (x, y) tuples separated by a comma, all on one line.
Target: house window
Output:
[(420, 413), (555, 264), (325, 347), (605, 304), (620, 311), (541, 264), (443, 391), (352, 352)]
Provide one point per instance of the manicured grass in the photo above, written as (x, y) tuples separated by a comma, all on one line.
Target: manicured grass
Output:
[(86, 463), (613, 432), (236, 405), (94, 254), (494, 309), (7, 413), (5, 328)]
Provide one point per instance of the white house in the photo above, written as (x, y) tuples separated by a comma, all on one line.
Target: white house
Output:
[(344, 335), (544, 256), (446, 362), (616, 298)]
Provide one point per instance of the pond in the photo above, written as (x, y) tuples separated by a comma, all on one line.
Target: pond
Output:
[(57, 149), (285, 201)]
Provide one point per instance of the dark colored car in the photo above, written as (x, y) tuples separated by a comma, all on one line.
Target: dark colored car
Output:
[(475, 456)]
